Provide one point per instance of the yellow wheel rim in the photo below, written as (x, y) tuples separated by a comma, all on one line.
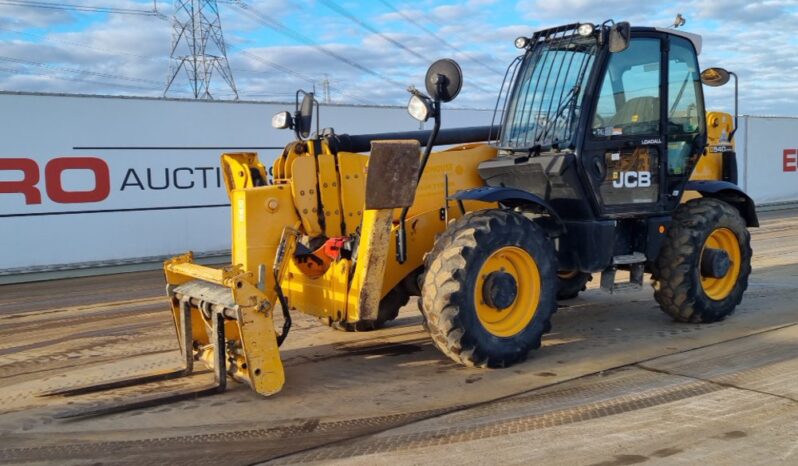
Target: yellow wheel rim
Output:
[(720, 288), (514, 318)]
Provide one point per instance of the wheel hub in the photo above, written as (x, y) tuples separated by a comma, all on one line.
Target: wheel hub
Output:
[(500, 290), (507, 291), (715, 263), (719, 263)]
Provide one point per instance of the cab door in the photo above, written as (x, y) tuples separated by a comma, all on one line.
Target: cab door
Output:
[(625, 150), (686, 118)]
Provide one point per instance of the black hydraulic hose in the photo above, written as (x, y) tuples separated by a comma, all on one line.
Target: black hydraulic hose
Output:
[(284, 305), (401, 237), (362, 142)]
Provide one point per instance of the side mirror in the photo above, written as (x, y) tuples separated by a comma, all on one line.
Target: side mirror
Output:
[(715, 77), (303, 120), (620, 34), (282, 120), (444, 80)]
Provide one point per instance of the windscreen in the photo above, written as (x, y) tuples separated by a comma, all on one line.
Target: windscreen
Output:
[(544, 104)]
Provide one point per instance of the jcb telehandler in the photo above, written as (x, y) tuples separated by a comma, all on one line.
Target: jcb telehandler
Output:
[(600, 128)]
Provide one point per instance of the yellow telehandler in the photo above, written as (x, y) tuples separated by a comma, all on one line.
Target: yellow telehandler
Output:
[(599, 140)]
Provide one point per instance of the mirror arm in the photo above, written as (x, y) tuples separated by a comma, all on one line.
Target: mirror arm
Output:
[(401, 236), (736, 115), (318, 118)]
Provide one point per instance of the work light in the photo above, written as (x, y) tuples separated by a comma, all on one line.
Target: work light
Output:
[(418, 107), (585, 30)]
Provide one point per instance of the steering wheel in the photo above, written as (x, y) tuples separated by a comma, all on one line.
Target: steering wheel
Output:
[(600, 120)]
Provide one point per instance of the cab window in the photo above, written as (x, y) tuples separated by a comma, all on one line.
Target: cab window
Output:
[(685, 111), (629, 100)]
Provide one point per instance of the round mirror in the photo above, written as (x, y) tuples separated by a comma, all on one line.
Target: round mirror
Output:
[(448, 70), (715, 77), (304, 120)]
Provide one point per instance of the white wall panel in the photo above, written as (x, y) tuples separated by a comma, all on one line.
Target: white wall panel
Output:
[(147, 146)]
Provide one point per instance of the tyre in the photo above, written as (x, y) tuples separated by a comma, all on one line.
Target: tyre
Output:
[(389, 310), (570, 283), (490, 288), (703, 267)]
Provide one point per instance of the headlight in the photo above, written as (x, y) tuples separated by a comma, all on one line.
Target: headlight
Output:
[(418, 108), (281, 120), (585, 29), (521, 42)]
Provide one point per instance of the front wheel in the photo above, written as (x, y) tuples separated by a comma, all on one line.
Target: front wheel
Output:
[(703, 267), (490, 288)]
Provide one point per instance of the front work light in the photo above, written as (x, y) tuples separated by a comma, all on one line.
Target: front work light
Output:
[(585, 30), (419, 108), (281, 120), (521, 42)]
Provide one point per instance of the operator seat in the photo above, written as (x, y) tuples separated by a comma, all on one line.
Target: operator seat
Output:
[(638, 110)]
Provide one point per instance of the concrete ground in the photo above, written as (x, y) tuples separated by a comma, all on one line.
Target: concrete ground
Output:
[(615, 383)]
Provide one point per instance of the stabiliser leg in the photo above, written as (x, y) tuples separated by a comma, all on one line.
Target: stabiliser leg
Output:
[(147, 401)]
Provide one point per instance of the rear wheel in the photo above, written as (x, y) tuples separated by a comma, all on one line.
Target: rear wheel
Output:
[(490, 288), (570, 283), (702, 270)]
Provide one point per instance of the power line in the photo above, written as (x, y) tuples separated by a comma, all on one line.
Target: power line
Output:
[(251, 55), (345, 13), (75, 70), (291, 33), (82, 8), (78, 44), (440, 39), (342, 11), (17, 71), (287, 70)]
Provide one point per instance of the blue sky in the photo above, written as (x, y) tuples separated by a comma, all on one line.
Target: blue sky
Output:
[(277, 46)]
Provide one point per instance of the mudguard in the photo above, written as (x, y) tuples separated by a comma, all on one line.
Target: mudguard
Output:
[(511, 197), (728, 192)]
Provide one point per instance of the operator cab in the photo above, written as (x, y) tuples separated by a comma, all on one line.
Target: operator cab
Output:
[(600, 130)]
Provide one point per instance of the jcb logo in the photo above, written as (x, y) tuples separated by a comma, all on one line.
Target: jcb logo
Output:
[(53, 171), (631, 179)]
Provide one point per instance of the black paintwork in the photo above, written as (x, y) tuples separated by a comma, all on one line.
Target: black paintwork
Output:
[(569, 182)]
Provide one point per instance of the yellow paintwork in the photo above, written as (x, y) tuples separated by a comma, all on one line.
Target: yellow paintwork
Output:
[(514, 318), (306, 200), (259, 361), (352, 168), (719, 288), (237, 167), (330, 194), (366, 287), (347, 290), (710, 165)]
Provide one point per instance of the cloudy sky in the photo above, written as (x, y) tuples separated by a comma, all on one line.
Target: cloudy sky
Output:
[(370, 51)]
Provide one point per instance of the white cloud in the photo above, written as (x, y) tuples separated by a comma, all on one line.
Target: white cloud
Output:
[(753, 38)]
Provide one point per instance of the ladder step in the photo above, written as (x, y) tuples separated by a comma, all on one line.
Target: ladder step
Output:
[(636, 263), (624, 287), (634, 258)]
